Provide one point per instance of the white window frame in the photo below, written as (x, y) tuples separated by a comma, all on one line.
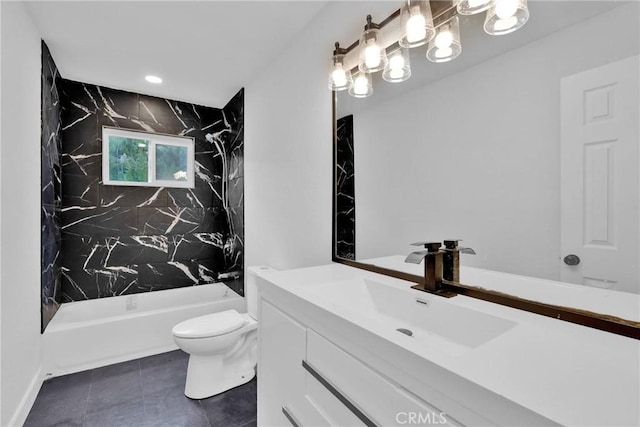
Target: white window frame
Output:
[(154, 139)]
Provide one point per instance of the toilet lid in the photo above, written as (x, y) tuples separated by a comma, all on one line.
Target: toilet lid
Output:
[(209, 325)]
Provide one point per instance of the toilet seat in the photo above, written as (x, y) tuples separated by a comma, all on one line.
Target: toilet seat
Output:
[(209, 325)]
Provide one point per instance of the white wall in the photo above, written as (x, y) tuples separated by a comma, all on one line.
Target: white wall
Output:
[(19, 212), (288, 144), (477, 155)]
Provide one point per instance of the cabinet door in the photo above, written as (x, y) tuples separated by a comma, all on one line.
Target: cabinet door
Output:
[(281, 379)]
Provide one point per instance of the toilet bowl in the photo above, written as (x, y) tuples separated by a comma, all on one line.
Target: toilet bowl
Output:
[(222, 346)]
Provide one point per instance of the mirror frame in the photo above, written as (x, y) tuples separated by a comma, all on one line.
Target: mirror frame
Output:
[(441, 14)]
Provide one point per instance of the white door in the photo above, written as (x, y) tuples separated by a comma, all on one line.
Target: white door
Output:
[(600, 191)]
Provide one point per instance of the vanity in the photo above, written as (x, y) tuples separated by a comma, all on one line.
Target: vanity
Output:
[(343, 346)]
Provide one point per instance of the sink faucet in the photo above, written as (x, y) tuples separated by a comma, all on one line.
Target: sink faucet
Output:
[(451, 260), (433, 257)]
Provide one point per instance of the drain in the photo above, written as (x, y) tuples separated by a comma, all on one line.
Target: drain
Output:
[(405, 331)]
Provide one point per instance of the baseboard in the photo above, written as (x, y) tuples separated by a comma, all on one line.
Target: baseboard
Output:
[(22, 411)]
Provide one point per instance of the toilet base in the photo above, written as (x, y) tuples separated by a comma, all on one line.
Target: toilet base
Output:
[(206, 377)]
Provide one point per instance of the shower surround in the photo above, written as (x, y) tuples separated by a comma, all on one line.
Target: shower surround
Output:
[(123, 240)]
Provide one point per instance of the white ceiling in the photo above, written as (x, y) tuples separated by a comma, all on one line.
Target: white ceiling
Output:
[(204, 51)]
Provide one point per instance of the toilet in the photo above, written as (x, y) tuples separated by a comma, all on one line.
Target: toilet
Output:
[(222, 346)]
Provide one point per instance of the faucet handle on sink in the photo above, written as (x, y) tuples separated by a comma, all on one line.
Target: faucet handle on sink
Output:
[(453, 245), (430, 246)]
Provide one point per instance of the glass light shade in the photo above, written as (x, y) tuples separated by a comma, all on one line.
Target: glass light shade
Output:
[(361, 86), (399, 68), (446, 45), (417, 23), (373, 56), (339, 77), (471, 7), (506, 16)]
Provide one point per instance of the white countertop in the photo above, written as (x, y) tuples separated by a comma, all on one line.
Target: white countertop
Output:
[(568, 373)]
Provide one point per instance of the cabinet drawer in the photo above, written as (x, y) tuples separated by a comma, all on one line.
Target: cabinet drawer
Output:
[(382, 401)]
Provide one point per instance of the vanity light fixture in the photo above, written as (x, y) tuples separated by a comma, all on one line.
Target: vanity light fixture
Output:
[(361, 86), (373, 56), (417, 23), (471, 7), (399, 68), (432, 22), (446, 44), (340, 77), (153, 79), (506, 16)]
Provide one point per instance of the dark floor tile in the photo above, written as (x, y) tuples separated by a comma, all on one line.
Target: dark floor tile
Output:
[(70, 422), (147, 392), (61, 401), (163, 371), (125, 414), (233, 408), (114, 384), (170, 407)]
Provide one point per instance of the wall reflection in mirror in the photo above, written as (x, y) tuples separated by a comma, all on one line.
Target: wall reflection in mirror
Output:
[(525, 146)]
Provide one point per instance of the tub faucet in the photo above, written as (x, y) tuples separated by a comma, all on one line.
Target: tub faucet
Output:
[(433, 257), (451, 260)]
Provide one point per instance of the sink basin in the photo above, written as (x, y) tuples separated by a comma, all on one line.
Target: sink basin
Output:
[(431, 320)]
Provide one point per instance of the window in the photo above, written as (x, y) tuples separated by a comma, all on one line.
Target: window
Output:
[(146, 159)]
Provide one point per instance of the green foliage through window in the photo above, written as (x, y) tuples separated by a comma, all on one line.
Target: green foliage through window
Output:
[(128, 159), (171, 162)]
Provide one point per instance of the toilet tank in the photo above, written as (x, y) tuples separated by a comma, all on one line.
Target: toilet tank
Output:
[(251, 288)]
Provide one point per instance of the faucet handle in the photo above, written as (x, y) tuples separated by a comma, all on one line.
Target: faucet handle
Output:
[(430, 246), (453, 244)]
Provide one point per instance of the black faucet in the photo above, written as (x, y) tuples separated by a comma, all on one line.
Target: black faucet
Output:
[(439, 266)]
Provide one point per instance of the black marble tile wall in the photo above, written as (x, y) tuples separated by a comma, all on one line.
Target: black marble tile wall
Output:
[(345, 221), (121, 240), (51, 185)]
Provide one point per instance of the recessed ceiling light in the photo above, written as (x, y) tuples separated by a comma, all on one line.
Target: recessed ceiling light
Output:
[(153, 79)]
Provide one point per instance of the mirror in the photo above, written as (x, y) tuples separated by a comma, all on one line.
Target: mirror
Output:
[(525, 147)]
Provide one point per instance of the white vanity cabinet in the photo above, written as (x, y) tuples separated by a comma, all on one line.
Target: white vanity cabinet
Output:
[(306, 380), (281, 348), (331, 353)]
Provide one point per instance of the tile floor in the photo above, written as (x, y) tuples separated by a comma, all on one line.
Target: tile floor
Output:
[(143, 392)]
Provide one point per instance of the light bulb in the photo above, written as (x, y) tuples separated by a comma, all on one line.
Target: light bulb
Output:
[(153, 79), (416, 26), (505, 24), (506, 8), (396, 65), (339, 76), (396, 62), (360, 85), (372, 56), (444, 39), (396, 73), (443, 52)]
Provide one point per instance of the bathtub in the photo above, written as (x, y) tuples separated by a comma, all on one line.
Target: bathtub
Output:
[(88, 334)]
